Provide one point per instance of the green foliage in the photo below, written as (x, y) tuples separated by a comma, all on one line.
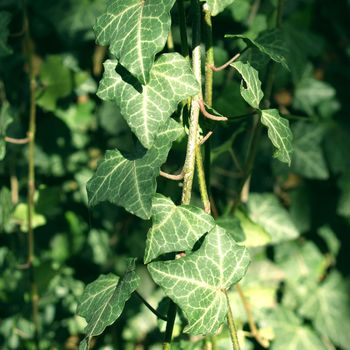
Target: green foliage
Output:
[(82, 228)]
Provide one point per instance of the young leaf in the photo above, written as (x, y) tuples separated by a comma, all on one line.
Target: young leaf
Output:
[(197, 282), (217, 6), (279, 133), (252, 93), (265, 210), (175, 228), (147, 108), (328, 307), (5, 18), (269, 42), (135, 30), (5, 121), (291, 334), (103, 301), (131, 182)]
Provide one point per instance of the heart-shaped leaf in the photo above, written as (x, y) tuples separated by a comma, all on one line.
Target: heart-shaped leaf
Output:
[(279, 133), (175, 228), (147, 108), (198, 282), (252, 92), (103, 301), (131, 182), (135, 31)]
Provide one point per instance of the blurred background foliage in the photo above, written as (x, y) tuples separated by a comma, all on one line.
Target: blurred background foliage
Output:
[(298, 288)]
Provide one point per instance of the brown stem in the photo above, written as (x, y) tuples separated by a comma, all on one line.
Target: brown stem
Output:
[(209, 115), (225, 65), (177, 177), (17, 141)]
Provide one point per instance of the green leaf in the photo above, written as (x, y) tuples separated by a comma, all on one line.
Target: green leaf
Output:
[(6, 207), (131, 181), (217, 6), (329, 308), (175, 228), (343, 207), (255, 235), (279, 133), (147, 108), (291, 334), (266, 210), (252, 92), (5, 18), (103, 300), (5, 121), (20, 217), (269, 42), (197, 282), (57, 81), (308, 159), (233, 226), (331, 240), (135, 30)]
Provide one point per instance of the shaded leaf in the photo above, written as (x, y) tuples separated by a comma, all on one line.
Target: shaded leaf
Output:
[(217, 6), (328, 306), (5, 18), (291, 334), (343, 207), (232, 225), (135, 31), (131, 181), (147, 108), (103, 301), (6, 207), (331, 240), (197, 282), (5, 121), (175, 228), (269, 42), (266, 210), (251, 87), (279, 133)]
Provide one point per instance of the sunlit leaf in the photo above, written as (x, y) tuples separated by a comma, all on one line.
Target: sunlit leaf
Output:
[(291, 334), (266, 210), (328, 306), (251, 86), (147, 108), (135, 31), (270, 42), (5, 18), (103, 300), (197, 282), (175, 228), (279, 133), (217, 6), (130, 181)]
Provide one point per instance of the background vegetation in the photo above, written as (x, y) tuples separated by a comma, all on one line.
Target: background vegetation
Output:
[(50, 68)]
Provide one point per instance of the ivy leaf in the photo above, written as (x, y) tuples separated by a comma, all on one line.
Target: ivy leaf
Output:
[(197, 282), (269, 42), (308, 159), (147, 108), (291, 334), (328, 306), (5, 121), (131, 181), (217, 6), (266, 210), (279, 133), (103, 301), (6, 207), (175, 228), (233, 226), (5, 18), (57, 81), (252, 93), (135, 30)]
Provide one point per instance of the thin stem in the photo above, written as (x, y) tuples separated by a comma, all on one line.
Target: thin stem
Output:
[(231, 325), (17, 141), (150, 307), (31, 181), (225, 65), (177, 177), (170, 42), (171, 316), (201, 179), (209, 115), (209, 58)]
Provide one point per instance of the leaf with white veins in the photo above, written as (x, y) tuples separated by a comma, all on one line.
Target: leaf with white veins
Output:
[(131, 182), (279, 133), (103, 301), (198, 281), (252, 92), (135, 31), (147, 108), (175, 228)]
